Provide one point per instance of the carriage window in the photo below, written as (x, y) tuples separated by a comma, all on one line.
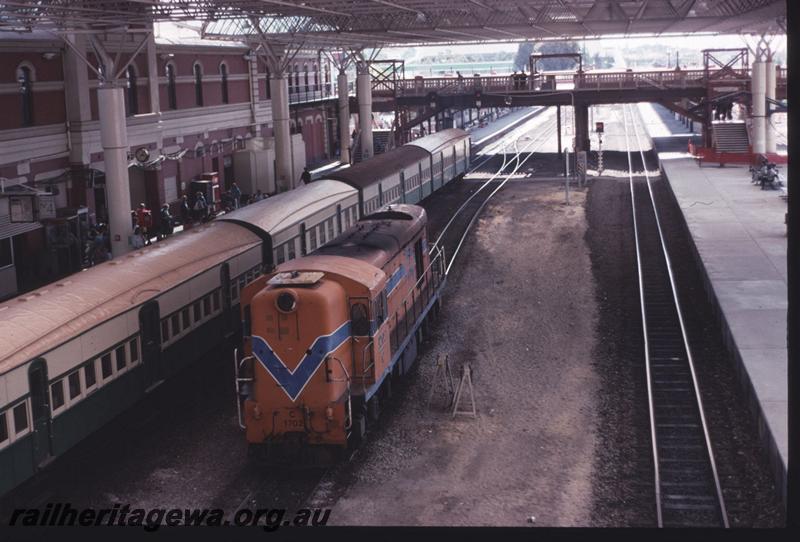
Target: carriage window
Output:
[(176, 324), (74, 384), (89, 375), (215, 298), (312, 234), (242, 283), (359, 319), (122, 360), (187, 322), (105, 366), (291, 249), (280, 255), (322, 238), (330, 228), (57, 394), (234, 290), (198, 313), (3, 428), (164, 330), (207, 305), (134, 345), (20, 417)]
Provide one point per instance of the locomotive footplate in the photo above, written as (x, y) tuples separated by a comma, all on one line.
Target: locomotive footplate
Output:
[(292, 450)]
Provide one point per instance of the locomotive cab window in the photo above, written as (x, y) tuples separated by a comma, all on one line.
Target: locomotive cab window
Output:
[(359, 318)]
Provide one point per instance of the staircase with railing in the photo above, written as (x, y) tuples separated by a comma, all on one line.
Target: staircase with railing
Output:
[(730, 137)]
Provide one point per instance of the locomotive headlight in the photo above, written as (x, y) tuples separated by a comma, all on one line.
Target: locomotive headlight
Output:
[(286, 301)]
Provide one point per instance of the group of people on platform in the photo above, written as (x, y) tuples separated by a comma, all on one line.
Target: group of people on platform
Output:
[(519, 80), (191, 211)]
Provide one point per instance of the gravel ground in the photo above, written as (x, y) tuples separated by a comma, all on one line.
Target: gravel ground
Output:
[(530, 450)]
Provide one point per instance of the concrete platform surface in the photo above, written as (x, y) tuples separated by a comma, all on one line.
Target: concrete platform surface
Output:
[(740, 236)]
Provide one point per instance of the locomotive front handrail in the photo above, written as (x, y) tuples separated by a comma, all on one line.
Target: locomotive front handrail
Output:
[(237, 381)]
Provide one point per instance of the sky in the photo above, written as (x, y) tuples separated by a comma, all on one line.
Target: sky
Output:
[(594, 45)]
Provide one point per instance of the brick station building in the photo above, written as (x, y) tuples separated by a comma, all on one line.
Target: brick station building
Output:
[(194, 104)]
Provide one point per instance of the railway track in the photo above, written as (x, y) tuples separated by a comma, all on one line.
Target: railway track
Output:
[(455, 231), (687, 487)]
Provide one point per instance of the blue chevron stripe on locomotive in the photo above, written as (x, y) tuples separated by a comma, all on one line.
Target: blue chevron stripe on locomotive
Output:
[(293, 382)]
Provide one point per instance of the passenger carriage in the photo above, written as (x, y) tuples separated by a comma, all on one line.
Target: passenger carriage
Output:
[(76, 353)]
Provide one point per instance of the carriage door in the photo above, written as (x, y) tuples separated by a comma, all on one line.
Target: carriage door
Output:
[(380, 195), (403, 185), (441, 167), (149, 325), (339, 218), (40, 412), (227, 312)]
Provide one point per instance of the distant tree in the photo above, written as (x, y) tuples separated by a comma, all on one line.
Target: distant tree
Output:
[(524, 52), (551, 47)]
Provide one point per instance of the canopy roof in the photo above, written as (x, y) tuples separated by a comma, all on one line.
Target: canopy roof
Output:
[(374, 23)]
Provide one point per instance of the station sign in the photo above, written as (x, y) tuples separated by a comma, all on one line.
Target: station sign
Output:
[(31, 208)]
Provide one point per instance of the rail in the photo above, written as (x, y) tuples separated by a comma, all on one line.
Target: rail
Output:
[(687, 487)]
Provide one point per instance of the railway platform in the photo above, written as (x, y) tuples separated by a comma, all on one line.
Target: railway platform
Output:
[(738, 235)]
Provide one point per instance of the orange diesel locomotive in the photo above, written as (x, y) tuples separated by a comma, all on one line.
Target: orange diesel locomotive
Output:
[(326, 335)]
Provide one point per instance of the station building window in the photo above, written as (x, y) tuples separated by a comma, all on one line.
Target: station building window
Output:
[(223, 72), (305, 75), (172, 93), (198, 85), (131, 93), (297, 77), (25, 80)]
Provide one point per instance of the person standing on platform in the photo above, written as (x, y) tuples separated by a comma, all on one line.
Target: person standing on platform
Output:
[(236, 194), (166, 221), (144, 218), (514, 79), (305, 178), (137, 239), (200, 207), (186, 212)]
